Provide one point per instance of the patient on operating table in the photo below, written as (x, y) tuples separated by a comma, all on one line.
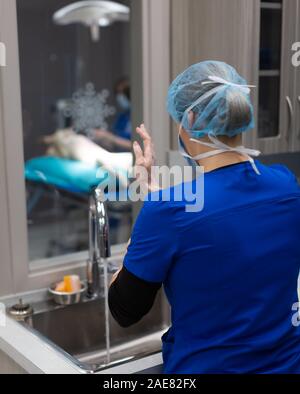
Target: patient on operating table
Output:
[(70, 145)]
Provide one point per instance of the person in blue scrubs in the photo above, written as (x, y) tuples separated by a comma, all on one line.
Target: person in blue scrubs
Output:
[(119, 139), (229, 271)]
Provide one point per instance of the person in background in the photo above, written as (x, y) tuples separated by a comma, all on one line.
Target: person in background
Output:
[(229, 271), (119, 139)]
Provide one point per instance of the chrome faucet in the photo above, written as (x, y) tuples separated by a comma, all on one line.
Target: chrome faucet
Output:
[(99, 244)]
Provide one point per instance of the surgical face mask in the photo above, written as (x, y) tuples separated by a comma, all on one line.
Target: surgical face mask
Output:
[(219, 147), (123, 101)]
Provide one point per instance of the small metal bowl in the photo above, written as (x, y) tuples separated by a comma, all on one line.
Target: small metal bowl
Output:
[(67, 298)]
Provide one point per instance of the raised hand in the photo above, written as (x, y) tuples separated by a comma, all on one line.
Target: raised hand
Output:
[(145, 160)]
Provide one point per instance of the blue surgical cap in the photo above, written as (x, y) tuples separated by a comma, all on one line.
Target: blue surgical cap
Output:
[(220, 108)]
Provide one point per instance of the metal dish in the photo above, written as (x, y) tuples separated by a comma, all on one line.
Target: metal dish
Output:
[(67, 298)]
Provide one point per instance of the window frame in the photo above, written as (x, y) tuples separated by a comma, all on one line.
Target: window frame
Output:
[(151, 66)]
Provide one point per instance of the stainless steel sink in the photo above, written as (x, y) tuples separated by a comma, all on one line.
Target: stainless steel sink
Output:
[(78, 331)]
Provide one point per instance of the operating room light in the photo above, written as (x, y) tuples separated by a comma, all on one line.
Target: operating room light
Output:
[(93, 14), (103, 22)]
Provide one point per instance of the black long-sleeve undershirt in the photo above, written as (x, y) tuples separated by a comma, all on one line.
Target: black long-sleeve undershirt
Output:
[(131, 298)]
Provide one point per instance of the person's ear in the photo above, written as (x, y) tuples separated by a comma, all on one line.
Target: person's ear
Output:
[(191, 118)]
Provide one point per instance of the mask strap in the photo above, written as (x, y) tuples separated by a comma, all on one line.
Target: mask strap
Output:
[(222, 148), (215, 79), (203, 97)]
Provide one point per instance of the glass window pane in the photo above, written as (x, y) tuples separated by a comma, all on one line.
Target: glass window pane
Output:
[(270, 39), (270, 69), (75, 101), (269, 96)]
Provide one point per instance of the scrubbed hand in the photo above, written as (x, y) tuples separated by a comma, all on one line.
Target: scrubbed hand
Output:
[(145, 160)]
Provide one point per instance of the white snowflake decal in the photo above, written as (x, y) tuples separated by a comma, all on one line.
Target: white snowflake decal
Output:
[(89, 110)]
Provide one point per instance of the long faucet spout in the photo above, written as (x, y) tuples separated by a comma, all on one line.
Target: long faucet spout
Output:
[(102, 224), (99, 243)]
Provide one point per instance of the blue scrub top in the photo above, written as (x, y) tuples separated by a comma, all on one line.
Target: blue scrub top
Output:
[(229, 272)]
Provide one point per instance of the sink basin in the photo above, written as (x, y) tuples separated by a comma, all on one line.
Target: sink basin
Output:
[(78, 331)]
